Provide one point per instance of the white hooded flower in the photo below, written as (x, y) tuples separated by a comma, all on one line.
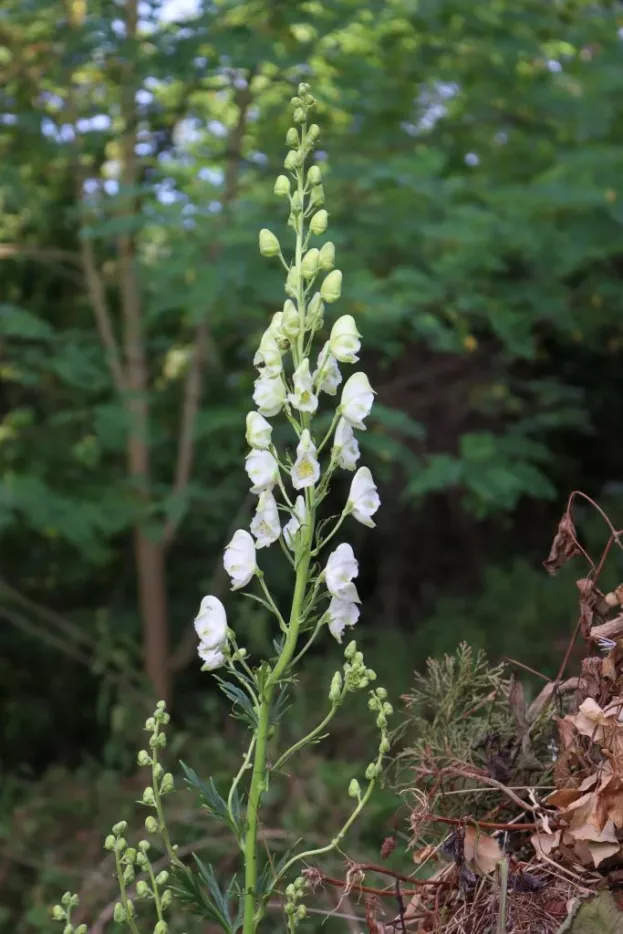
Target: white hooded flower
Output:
[(263, 470), (357, 399), (293, 525), (345, 447), (265, 524), (341, 568), (327, 376), (258, 431), (212, 658), (345, 340), (363, 499), (342, 613), (211, 623), (269, 395), (303, 397), (268, 355), (306, 469), (239, 559)]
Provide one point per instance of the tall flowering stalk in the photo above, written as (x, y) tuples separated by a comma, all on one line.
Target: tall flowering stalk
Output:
[(294, 380)]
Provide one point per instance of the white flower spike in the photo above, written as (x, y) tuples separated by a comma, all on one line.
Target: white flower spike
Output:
[(239, 560), (263, 470), (327, 376), (269, 395), (211, 623), (258, 432), (345, 340), (345, 447), (342, 613), (292, 527), (363, 499), (357, 399), (306, 469), (303, 397), (265, 524), (341, 568)]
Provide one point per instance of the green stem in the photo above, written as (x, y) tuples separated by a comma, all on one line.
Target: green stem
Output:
[(306, 739), (236, 781), (321, 544), (125, 901), (164, 833)]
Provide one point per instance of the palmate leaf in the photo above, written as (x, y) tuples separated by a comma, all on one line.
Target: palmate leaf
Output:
[(200, 894), (279, 704), (211, 799), (242, 708)]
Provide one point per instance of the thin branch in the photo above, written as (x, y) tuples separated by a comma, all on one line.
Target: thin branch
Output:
[(102, 314)]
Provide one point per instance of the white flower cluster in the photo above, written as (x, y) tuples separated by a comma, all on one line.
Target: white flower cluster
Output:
[(288, 381)]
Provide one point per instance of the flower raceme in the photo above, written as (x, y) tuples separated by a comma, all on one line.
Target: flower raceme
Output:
[(295, 480)]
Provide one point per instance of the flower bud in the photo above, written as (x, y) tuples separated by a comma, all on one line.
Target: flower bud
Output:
[(371, 771), (144, 845), (317, 196), (148, 797), (292, 160), (381, 693), (303, 88), (290, 891), (143, 758), (299, 115), (345, 339), (291, 320), (151, 824), (314, 175), (336, 688), (119, 915), (310, 264), (282, 186), (388, 709), (68, 929), (370, 674), (354, 789), (292, 282), (81, 929), (167, 784), (269, 245), (128, 874), (142, 889), (313, 132), (120, 828), (299, 883), (327, 256), (381, 721), (301, 911), (130, 855), (150, 723), (120, 844), (331, 288), (109, 842), (161, 928), (319, 222), (166, 898), (58, 913), (162, 878), (384, 745), (259, 431), (292, 138)]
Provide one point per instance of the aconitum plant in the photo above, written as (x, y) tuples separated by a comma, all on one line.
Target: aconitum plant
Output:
[(294, 382)]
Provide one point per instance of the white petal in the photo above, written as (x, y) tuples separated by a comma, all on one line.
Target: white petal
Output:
[(342, 613), (269, 395), (239, 560), (211, 622), (357, 400), (262, 469), (258, 431), (341, 568), (265, 524), (363, 499), (212, 658)]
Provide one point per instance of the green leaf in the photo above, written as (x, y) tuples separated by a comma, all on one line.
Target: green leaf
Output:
[(17, 322)]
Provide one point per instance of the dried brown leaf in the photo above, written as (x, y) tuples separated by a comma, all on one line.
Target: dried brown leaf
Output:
[(564, 547), (482, 852)]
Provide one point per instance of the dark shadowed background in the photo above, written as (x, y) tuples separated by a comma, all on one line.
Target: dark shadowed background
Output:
[(472, 156)]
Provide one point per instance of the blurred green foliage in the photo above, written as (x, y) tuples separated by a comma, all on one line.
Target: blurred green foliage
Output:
[(474, 190)]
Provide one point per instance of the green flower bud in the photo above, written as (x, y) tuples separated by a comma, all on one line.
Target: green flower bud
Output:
[(381, 721), (119, 914), (319, 222), (158, 770), (350, 649), (304, 88), (301, 911), (142, 889), (370, 674), (144, 845), (161, 705), (314, 175), (292, 138), (151, 825), (331, 288), (167, 784), (290, 908), (81, 929), (299, 883), (381, 692), (358, 655), (282, 186), (130, 855), (388, 709), (150, 723), (315, 307), (162, 878), (68, 929), (166, 898), (292, 160), (313, 132), (371, 771), (327, 256), (290, 893), (149, 797), (120, 844), (384, 745), (317, 196), (363, 683), (269, 245), (310, 264), (291, 320), (336, 688), (299, 115), (143, 757), (128, 874), (58, 913), (297, 203), (131, 911), (109, 842), (354, 789)]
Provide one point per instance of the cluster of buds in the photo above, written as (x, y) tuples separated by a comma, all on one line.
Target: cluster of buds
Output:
[(293, 381), (63, 911), (293, 907), (162, 782)]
